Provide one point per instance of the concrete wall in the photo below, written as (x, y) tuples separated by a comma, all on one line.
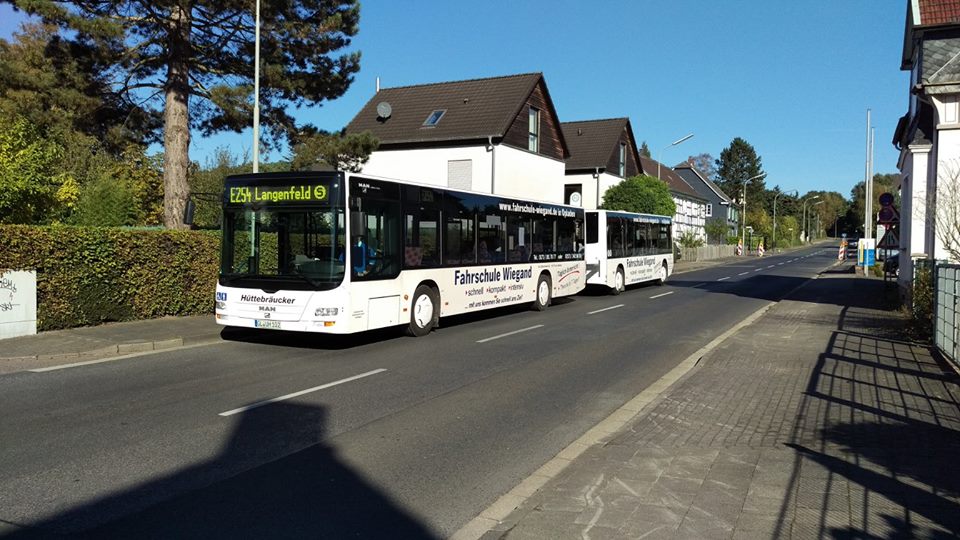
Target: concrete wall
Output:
[(430, 165)]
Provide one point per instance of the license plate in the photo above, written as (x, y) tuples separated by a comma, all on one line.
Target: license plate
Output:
[(266, 324)]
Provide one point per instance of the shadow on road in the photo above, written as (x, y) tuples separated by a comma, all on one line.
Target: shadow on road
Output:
[(275, 478)]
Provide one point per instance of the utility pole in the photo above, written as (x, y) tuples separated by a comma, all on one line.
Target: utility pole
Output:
[(868, 183)]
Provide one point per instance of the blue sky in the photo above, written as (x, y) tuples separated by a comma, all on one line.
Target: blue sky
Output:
[(792, 78)]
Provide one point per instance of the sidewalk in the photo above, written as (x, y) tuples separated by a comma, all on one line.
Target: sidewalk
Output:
[(104, 341), (814, 421)]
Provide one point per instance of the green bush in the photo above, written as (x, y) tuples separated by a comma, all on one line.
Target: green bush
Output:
[(689, 240), (921, 323), (90, 275)]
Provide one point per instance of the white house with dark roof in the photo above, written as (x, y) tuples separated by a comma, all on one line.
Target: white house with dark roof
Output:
[(928, 136), (719, 205), (602, 154), (496, 135)]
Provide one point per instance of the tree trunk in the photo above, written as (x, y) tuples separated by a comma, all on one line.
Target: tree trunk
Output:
[(176, 120)]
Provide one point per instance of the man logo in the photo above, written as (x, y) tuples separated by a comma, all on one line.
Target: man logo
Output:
[(221, 297)]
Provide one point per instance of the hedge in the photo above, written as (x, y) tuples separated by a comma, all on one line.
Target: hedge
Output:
[(91, 275)]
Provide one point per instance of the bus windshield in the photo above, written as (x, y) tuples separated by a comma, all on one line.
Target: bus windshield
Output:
[(278, 244)]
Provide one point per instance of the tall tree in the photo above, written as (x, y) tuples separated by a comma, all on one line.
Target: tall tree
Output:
[(705, 163), (739, 163), (644, 149), (63, 92), (181, 50)]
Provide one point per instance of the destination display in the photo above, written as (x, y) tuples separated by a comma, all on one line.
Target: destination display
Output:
[(284, 194)]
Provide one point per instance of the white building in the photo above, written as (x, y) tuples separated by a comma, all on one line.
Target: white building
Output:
[(691, 216), (497, 135), (602, 154), (928, 136)]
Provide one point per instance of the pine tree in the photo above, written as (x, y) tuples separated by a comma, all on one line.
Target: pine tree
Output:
[(197, 58), (644, 149), (738, 163)]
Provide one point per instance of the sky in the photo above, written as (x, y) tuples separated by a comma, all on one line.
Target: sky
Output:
[(794, 79)]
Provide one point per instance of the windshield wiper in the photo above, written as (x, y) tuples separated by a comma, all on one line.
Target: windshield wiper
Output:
[(307, 278)]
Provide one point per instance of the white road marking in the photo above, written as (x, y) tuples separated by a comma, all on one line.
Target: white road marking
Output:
[(510, 333), (758, 270), (771, 266), (605, 309), (659, 295), (743, 273), (779, 264), (723, 278), (300, 393)]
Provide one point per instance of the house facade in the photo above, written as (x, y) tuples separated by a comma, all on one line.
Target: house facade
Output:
[(719, 205), (928, 136), (691, 216), (497, 135), (602, 154)]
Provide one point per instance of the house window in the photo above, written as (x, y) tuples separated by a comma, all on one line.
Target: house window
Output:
[(709, 209), (622, 163), (569, 191), (534, 130), (434, 117)]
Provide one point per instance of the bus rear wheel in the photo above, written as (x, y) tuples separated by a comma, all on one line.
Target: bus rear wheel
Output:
[(662, 274), (424, 311), (544, 293), (619, 282)]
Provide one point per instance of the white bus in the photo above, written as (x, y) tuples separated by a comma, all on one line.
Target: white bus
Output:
[(624, 248), (341, 253)]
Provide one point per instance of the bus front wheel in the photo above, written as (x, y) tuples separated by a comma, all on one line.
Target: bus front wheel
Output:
[(424, 311), (619, 282), (544, 293)]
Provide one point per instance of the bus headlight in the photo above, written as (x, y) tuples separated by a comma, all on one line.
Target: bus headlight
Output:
[(221, 305), (327, 312)]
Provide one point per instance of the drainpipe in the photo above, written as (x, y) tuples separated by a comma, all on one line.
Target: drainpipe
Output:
[(493, 165), (596, 176)]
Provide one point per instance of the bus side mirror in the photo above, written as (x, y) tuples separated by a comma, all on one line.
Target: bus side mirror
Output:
[(357, 221)]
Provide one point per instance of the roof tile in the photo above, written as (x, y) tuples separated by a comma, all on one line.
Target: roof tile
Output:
[(475, 109)]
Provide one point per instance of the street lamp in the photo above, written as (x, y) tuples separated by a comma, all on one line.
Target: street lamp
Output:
[(660, 153), (743, 210), (803, 224), (779, 193), (811, 217), (256, 94)]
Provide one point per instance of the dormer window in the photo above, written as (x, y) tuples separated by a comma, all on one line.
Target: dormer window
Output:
[(434, 117)]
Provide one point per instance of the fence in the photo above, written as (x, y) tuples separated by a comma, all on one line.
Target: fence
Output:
[(947, 303), (706, 253)]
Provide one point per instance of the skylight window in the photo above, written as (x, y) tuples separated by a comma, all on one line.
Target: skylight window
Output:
[(434, 117)]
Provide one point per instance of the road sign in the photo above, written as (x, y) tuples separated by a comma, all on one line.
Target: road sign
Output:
[(888, 215), (886, 199), (890, 240)]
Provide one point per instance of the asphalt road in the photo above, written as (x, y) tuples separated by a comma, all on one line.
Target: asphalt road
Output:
[(392, 436)]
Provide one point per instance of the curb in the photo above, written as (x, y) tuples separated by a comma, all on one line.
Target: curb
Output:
[(52, 362), (102, 352)]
